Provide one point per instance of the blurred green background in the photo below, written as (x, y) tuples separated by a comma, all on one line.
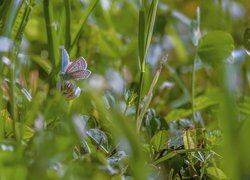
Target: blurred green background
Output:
[(178, 109)]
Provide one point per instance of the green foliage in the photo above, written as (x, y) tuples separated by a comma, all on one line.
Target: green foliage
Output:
[(215, 47), (7, 130), (202, 102), (168, 97), (159, 140), (215, 173)]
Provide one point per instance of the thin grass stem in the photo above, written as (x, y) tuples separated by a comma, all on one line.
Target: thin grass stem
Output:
[(193, 89), (13, 92), (139, 97), (67, 4), (150, 94), (51, 37), (195, 118)]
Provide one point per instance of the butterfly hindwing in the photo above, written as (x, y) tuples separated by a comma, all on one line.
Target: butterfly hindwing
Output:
[(82, 74), (69, 90)]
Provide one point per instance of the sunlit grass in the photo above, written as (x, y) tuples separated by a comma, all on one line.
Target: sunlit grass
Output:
[(167, 97)]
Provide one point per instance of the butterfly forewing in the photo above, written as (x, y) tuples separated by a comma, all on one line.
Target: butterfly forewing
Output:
[(78, 65), (65, 60)]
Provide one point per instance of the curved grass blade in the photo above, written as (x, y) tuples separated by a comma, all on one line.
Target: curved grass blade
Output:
[(68, 24), (86, 14)]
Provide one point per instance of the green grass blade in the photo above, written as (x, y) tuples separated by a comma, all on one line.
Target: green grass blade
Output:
[(4, 7), (68, 24), (52, 40), (141, 36), (228, 118), (51, 34), (150, 23), (142, 55), (179, 82), (86, 14), (174, 153), (144, 42), (10, 17), (22, 20), (150, 94)]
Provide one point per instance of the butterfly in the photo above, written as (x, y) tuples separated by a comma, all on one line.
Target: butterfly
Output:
[(73, 70)]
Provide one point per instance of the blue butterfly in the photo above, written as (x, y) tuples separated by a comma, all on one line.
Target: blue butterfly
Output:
[(73, 70)]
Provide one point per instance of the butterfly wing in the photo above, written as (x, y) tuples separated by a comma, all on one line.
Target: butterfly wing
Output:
[(69, 90), (82, 74), (78, 65), (65, 60)]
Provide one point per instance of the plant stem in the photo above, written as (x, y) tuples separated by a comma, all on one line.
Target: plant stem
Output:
[(48, 15), (195, 119), (150, 94), (142, 55), (179, 82), (52, 39), (139, 99), (12, 91), (68, 24), (193, 89)]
